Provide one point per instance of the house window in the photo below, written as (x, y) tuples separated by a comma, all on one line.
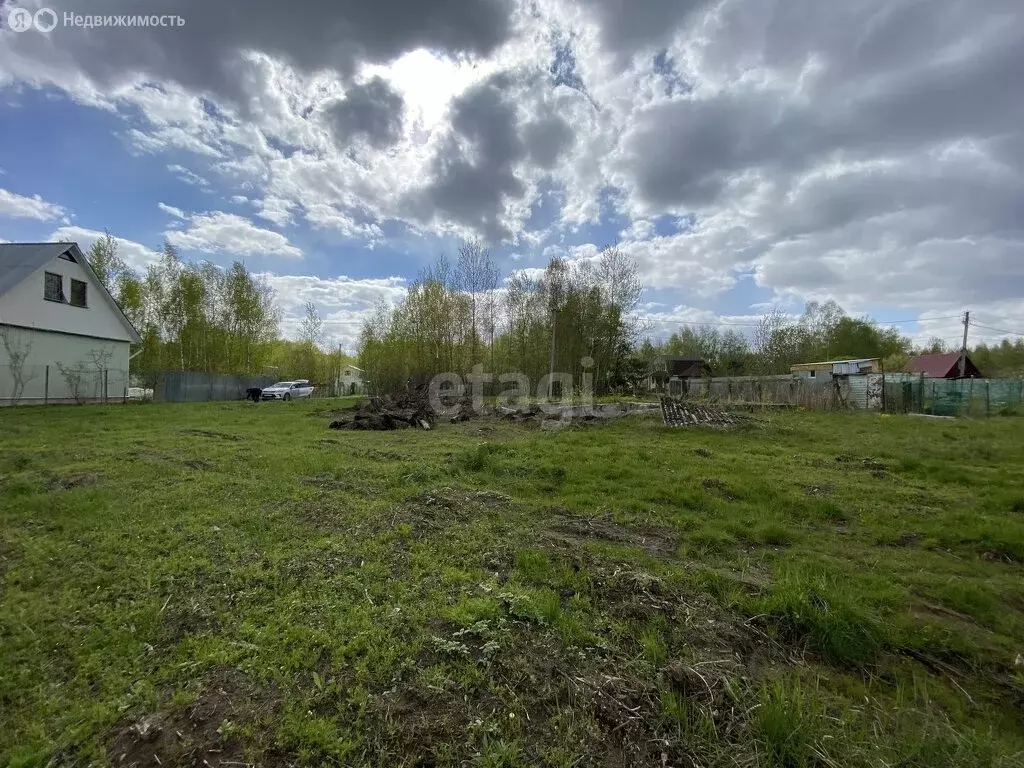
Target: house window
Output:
[(67, 256), (53, 287), (78, 293), (812, 373)]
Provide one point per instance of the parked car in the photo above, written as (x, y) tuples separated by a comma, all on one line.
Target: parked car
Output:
[(287, 390)]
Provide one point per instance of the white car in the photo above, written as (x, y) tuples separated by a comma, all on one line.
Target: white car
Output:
[(288, 390)]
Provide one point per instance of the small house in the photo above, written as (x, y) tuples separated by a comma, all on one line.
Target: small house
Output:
[(672, 373), (829, 369), (945, 366), (63, 338), (350, 381)]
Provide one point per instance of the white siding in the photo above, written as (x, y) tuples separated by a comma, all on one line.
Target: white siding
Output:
[(47, 349), (24, 305)]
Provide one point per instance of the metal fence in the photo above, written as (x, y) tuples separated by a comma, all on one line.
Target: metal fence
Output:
[(53, 384), (955, 397), (196, 387), (889, 392)]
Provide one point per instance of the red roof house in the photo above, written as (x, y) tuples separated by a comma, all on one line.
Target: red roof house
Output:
[(945, 366)]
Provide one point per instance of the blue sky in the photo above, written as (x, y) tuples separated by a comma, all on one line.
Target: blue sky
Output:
[(744, 161)]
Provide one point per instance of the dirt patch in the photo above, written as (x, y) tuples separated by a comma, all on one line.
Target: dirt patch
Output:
[(210, 433), (719, 488), (77, 480), (576, 531), (704, 453), (871, 464), (203, 464), (196, 735), (909, 539)]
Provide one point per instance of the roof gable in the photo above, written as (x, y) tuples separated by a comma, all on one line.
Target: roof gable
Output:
[(941, 366), (19, 261)]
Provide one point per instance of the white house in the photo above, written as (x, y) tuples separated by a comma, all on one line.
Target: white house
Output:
[(63, 338), (350, 381)]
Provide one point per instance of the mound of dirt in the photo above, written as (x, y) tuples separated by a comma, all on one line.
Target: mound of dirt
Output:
[(405, 409)]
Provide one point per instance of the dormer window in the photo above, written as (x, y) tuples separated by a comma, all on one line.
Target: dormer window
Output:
[(53, 287), (67, 257)]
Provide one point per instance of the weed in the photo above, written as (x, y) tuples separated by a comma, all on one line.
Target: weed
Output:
[(821, 611)]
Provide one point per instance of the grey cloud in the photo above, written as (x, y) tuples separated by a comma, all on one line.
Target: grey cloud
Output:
[(685, 151), (499, 128), (547, 139), (311, 34), (373, 111), (475, 171), (629, 25), (876, 155)]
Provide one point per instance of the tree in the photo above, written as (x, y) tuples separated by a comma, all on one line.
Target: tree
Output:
[(105, 262), (18, 347)]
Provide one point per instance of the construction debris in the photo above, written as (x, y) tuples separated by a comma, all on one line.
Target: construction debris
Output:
[(681, 414), (408, 409)]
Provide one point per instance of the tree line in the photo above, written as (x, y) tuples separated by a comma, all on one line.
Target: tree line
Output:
[(196, 316), (580, 317), (575, 318)]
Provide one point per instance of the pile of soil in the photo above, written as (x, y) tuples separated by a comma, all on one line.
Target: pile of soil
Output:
[(399, 411)]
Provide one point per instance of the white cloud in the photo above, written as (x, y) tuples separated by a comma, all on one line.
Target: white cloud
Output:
[(135, 255), (172, 211), (187, 176), (275, 210), (344, 303), (226, 233), (17, 206)]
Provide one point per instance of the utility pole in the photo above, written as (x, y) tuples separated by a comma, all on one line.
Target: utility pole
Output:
[(963, 348)]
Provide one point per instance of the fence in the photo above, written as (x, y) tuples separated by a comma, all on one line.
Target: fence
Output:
[(52, 384), (195, 387), (782, 390), (890, 392), (954, 397)]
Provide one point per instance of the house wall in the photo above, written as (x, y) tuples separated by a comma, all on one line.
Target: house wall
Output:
[(47, 349), (25, 306), (348, 377)]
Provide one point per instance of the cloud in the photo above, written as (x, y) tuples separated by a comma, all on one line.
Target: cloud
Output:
[(172, 211), (15, 206), (344, 303), (373, 112), (207, 54), (135, 255), (869, 151), (228, 234), (187, 176), (275, 210)]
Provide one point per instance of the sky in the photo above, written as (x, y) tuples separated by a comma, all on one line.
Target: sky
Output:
[(747, 153)]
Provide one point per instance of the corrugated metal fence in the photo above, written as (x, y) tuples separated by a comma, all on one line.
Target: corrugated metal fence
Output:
[(195, 387)]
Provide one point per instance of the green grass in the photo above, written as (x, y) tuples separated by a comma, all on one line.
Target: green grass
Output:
[(236, 583)]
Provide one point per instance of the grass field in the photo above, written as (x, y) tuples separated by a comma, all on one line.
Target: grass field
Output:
[(229, 584)]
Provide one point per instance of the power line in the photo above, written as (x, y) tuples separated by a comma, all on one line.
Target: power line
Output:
[(999, 330)]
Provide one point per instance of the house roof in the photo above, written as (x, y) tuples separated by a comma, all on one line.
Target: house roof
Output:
[(937, 366), (680, 358), (18, 261), (840, 362)]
